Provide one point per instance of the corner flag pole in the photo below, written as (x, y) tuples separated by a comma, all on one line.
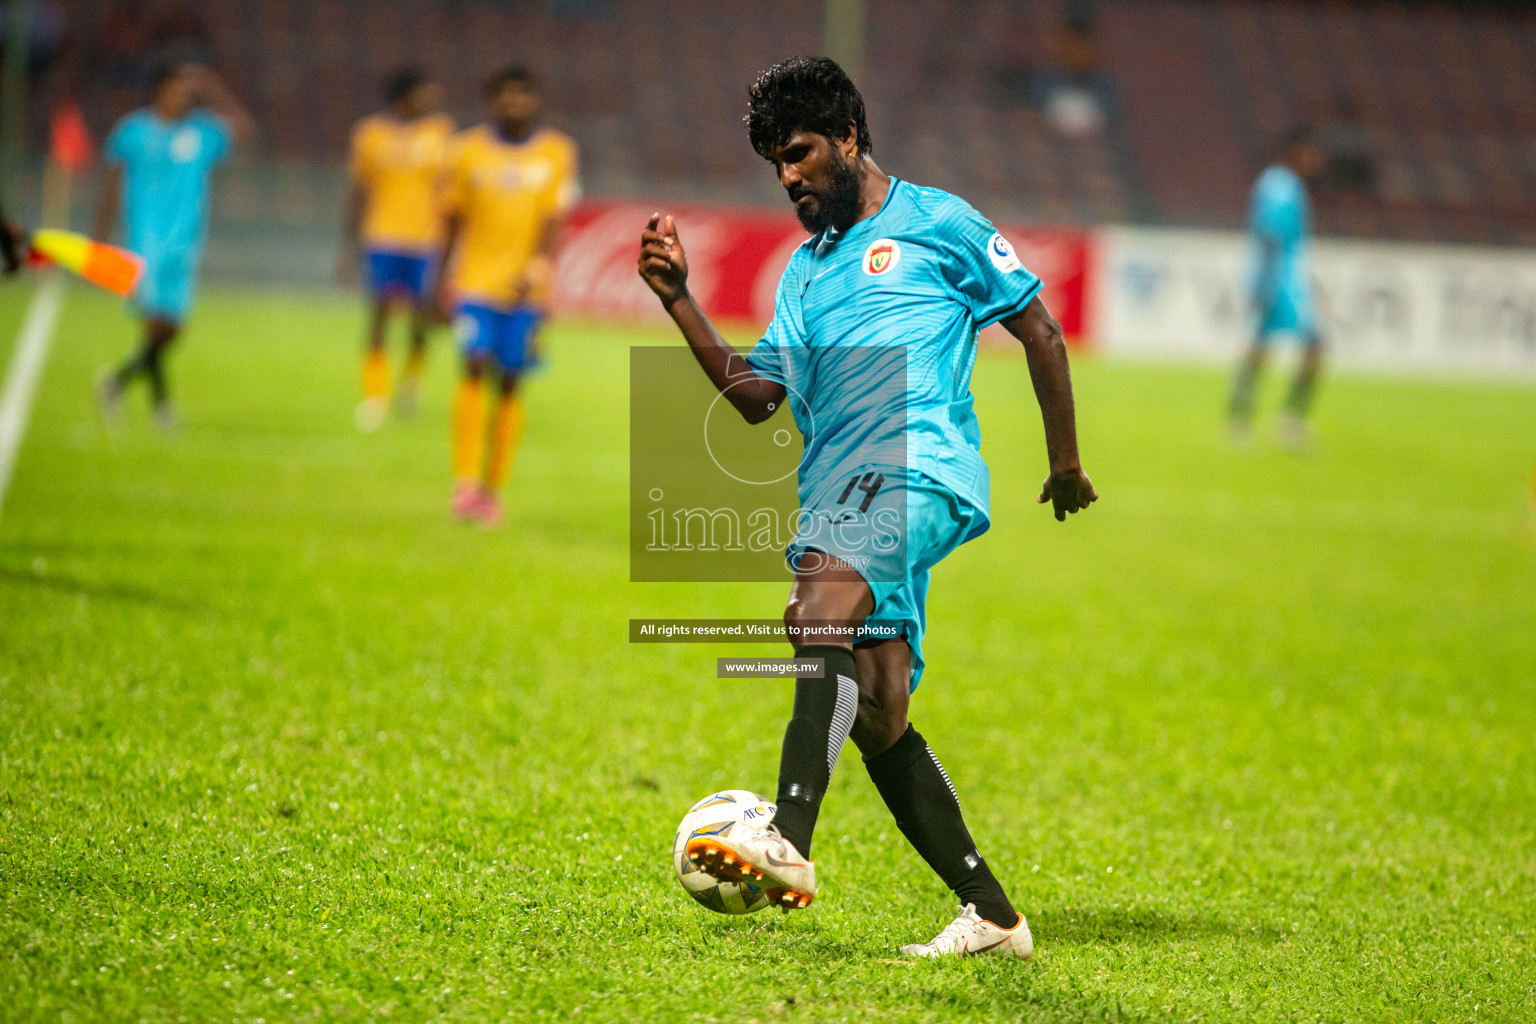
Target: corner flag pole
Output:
[(843, 35), (13, 101)]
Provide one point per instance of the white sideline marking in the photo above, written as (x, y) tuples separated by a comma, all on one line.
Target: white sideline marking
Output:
[(26, 367)]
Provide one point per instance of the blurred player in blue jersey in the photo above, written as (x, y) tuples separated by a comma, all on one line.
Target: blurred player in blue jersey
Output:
[(159, 160), (1280, 285), (872, 344)]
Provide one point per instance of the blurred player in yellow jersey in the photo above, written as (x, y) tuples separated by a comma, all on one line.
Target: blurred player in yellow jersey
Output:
[(508, 185), (394, 224)]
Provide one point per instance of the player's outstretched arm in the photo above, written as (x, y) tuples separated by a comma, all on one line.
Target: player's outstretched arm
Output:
[(1068, 488), (212, 91), (540, 268), (442, 297), (664, 266)]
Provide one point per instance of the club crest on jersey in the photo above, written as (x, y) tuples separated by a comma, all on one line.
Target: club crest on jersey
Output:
[(881, 256), (1002, 255)]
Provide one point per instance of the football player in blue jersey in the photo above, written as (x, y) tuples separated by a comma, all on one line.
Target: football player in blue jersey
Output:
[(872, 344), (159, 161), (1280, 285)]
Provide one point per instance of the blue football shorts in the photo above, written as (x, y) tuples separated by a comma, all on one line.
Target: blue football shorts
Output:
[(1291, 312), (506, 335), (165, 290), (397, 275), (892, 525)]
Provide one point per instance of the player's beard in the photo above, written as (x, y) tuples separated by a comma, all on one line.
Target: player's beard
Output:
[(837, 203)]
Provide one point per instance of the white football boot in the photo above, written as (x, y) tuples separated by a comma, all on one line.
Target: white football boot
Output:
[(970, 935), (369, 415), (109, 398), (1295, 437), (760, 856)]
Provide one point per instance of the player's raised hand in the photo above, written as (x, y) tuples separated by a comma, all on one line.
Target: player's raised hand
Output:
[(663, 264), (1069, 490)]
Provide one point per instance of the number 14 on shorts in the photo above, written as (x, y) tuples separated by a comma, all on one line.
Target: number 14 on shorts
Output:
[(869, 483)]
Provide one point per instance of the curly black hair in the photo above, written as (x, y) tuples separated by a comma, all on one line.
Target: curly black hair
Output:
[(162, 73), (804, 94), (1295, 135), (402, 82), (515, 74)]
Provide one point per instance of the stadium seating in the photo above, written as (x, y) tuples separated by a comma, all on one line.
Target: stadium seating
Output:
[(1443, 103)]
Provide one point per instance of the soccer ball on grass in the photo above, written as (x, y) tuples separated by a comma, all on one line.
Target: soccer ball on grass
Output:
[(720, 814)]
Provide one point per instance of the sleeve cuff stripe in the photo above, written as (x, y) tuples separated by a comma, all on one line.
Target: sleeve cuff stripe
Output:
[(1018, 307)]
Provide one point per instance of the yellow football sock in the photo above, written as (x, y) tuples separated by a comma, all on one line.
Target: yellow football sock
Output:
[(468, 429), (413, 363), (376, 374), (506, 432)]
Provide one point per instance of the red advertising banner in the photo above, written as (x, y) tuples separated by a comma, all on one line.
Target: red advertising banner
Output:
[(1060, 257), (735, 257)]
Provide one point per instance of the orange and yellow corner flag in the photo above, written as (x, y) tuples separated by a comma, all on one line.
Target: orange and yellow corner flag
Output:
[(106, 266)]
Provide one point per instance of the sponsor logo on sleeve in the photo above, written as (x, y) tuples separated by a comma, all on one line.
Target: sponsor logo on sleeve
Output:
[(1002, 255), (882, 256)]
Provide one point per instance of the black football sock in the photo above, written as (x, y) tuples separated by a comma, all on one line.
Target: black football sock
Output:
[(918, 791), (1299, 400), (130, 368), (154, 368), (1240, 408), (825, 707)]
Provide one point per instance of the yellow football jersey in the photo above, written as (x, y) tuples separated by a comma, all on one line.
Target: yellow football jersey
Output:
[(400, 165), (505, 194)]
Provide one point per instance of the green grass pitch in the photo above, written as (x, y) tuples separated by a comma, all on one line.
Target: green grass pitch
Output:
[(1251, 740)]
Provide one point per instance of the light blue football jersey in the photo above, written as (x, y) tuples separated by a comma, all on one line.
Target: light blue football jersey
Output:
[(874, 334), (1280, 223), (166, 167)]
